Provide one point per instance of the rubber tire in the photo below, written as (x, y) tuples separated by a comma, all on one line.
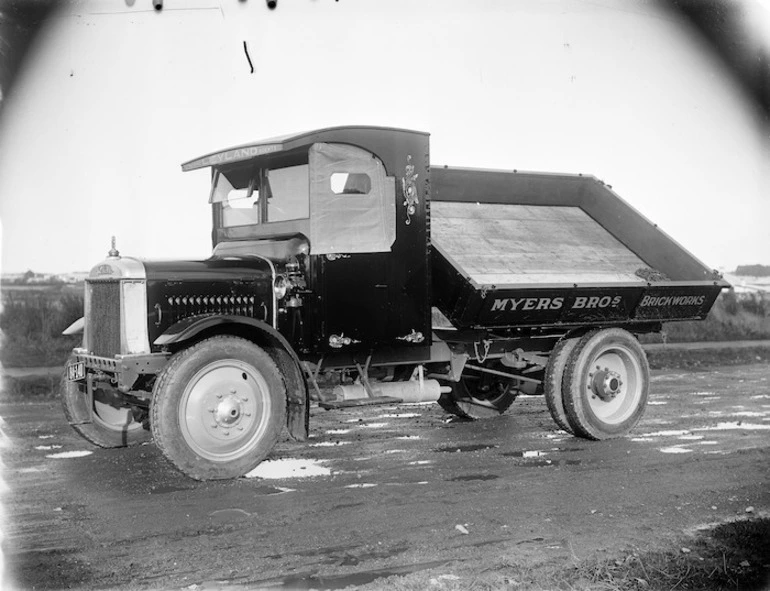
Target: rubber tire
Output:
[(584, 421), (462, 403), (171, 392), (91, 426), (552, 383)]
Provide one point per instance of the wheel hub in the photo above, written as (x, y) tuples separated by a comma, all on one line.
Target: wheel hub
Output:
[(605, 383), (228, 411)]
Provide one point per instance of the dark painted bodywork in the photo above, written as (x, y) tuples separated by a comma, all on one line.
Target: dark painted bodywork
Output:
[(183, 289), (375, 299), (688, 292)]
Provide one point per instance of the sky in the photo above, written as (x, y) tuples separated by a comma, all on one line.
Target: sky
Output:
[(115, 96)]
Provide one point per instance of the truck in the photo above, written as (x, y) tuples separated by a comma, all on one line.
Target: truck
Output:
[(341, 257)]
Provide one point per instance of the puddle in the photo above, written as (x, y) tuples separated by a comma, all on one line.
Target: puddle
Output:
[(566, 450), (329, 443), (462, 448), (399, 415), (675, 450), (47, 447), (302, 582), (362, 485), (409, 437), (420, 462), (45, 436), (525, 454), (289, 468), (79, 454), (162, 490), (671, 433), (337, 431), (471, 477), (734, 425), (227, 515), (539, 463), (656, 403)]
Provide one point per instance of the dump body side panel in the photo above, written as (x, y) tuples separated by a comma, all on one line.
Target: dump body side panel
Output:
[(524, 249)]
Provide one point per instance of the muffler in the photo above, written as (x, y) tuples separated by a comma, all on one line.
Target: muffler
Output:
[(410, 391)]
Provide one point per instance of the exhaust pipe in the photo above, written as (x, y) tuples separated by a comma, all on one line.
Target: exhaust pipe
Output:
[(411, 391)]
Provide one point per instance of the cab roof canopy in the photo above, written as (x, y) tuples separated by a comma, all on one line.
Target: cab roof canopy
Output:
[(385, 142)]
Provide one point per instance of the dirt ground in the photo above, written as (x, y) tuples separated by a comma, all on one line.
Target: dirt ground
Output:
[(385, 491)]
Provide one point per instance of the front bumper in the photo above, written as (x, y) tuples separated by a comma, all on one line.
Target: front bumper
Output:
[(124, 370)]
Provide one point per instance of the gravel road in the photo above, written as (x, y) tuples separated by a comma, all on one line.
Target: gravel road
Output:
[(383, 490)]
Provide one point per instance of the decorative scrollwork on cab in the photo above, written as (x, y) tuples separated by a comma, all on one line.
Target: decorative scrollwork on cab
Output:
[(409, 187), (412, 337), (339, 341)]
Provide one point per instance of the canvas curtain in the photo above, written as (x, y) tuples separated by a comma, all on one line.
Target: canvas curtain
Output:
[(350, 223)]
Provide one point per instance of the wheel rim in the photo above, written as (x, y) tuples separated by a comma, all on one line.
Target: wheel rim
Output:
[(614, 385), (224, 410)]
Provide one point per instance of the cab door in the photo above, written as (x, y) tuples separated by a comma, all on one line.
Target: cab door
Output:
[(352, 232)]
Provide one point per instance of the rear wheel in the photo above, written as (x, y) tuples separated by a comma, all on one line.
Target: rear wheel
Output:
[(552, 386), (606, 384), (480, 395), (218, 408), (111, 421)]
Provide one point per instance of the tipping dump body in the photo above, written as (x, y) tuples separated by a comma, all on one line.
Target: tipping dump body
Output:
[(524, 249)]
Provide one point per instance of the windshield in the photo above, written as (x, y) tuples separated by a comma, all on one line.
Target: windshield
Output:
[(250, 197)]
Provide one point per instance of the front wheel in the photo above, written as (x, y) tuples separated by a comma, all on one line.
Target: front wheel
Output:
[(605, 384), (110, 421), (218, 408)]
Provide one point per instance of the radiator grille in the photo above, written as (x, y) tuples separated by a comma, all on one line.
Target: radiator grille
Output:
[(103, 318)]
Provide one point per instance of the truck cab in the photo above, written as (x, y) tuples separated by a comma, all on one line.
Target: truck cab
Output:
[(329, 211)]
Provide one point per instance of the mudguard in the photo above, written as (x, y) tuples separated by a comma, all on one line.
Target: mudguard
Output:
[(76, 327)]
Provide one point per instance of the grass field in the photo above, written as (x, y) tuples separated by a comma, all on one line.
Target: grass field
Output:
[(32, 320)]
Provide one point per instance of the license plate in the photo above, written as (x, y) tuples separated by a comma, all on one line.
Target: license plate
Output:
[(76, 371)]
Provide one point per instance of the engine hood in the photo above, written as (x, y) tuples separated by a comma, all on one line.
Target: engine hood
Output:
[(209, 270), (220, 269)]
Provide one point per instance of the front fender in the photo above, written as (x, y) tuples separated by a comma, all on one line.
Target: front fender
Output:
[(279, 349), (75, 328)]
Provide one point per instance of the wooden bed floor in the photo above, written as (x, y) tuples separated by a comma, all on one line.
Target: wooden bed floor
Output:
[(522, 244)]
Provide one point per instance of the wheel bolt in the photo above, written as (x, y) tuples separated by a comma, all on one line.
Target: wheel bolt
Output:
[(214, 426), (226, 432), (240, 428), (212, 410), (219, 396), (244, 399), (232, 390)]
